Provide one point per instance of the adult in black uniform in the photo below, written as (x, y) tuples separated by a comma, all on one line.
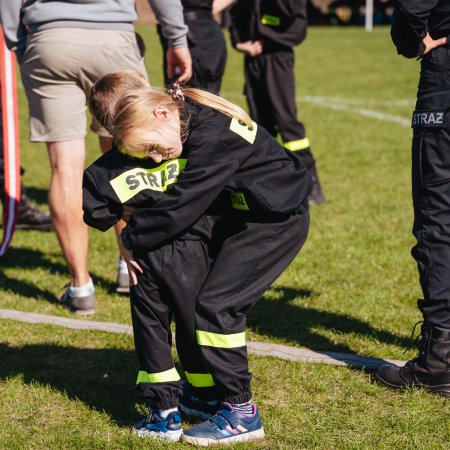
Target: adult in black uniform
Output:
[(266, 32), (421, 30), (259, 189), (206, 43)]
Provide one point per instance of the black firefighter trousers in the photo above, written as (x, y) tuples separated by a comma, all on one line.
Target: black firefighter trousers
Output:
[(168, 287), (249, 257), (270, 92), (431, 186)]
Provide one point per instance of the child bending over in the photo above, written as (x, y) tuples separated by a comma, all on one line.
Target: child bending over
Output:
[(166, 277), (259, 189)]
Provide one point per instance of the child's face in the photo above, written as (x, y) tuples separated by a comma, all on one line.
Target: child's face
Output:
[(159, 139)]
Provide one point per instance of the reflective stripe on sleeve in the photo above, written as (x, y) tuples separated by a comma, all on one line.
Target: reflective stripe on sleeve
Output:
[(299, 144), (159, 377), (200, 380), (208, 339)]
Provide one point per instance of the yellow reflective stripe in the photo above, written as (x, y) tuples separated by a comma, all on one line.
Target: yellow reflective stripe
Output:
[(131, 182), (300, 144), (238, 201), (220, 340), (200, 379), (273, 21), (159, 377)]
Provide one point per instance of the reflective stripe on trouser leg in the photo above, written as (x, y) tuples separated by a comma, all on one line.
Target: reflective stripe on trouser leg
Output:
[(200, 380), (159, 377), (208, 339), (298, 144), (251, 256)]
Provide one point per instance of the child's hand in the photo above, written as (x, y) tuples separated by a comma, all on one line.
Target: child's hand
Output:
[(128, 257), (250, 48)]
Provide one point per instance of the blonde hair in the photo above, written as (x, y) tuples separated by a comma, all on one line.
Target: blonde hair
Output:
[(134, 110), (107, 90)]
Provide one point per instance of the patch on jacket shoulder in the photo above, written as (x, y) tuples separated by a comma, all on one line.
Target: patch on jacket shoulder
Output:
[(240, 128)]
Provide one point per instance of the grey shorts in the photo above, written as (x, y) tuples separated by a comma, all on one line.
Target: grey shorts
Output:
[(58, 69)]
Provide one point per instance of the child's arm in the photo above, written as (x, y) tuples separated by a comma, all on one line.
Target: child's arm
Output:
[(97, 211)]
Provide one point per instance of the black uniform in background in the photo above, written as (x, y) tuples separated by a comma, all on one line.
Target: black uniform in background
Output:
[(206, 44), (269, 77), (431, 191), (259, 189), (174, 270)]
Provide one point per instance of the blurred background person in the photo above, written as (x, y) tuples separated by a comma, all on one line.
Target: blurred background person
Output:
[(206, 43), (266, 32)]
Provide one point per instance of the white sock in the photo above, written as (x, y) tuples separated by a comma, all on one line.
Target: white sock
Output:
[(82, 291), (122, 266), (163, 413)]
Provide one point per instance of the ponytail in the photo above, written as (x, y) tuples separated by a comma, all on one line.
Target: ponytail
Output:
[(218, 103)]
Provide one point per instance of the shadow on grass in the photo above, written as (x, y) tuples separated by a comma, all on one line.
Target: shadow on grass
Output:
[(29, 259), (37, 195), (103, 379), (282, 319)]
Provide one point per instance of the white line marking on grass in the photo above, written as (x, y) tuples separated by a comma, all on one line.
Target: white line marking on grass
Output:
[(352, 105), (258, 348), (391, 118)]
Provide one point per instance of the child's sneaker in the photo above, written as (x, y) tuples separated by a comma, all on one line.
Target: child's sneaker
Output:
[(193, 406), (154, 426), (226, 427)]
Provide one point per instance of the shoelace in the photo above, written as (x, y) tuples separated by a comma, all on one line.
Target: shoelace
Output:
[(419, 343)]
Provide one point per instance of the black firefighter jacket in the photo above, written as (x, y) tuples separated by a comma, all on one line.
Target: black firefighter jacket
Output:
[(281, 24), (231, 169), (115, 180)]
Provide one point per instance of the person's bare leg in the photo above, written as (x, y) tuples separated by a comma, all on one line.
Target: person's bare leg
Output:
[(65, 201)]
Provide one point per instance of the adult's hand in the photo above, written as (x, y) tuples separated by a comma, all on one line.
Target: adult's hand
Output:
[(179, 64), (431, 44), (132, 265)]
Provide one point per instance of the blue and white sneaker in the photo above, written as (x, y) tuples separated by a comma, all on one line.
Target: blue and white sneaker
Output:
[(225, 427), (154, 426), (191, 405)]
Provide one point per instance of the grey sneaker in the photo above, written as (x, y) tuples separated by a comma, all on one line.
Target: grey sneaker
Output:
[(81, 305), (123, 282)]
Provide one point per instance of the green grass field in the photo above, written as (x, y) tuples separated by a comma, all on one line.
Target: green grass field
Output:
[(352, 288)]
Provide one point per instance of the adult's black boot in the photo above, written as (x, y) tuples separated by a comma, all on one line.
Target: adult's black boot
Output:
[(29, 217), (429, 370), (316, 197)]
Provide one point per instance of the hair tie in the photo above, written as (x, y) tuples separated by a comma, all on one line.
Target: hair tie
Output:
[(175, 91)]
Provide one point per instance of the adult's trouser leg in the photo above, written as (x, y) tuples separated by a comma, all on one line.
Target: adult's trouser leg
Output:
[(251, 256), (431, 198), (259, 103)]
